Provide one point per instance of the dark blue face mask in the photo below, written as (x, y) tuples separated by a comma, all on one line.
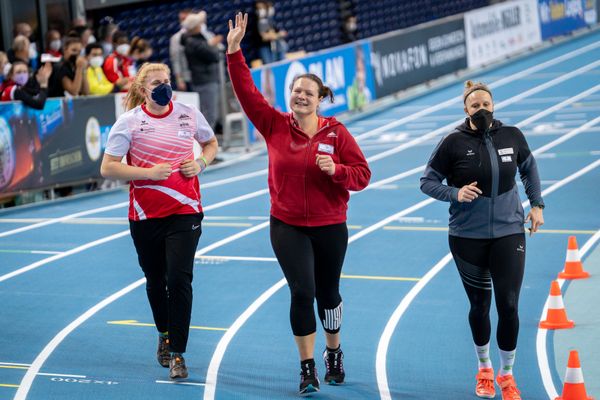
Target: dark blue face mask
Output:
[(162, 94)]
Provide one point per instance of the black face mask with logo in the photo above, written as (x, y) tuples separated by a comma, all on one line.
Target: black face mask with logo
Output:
[(482, 119)]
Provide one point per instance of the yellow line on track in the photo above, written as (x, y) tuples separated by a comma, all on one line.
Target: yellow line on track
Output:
[(133, 322), (9, 385), (13, 367)]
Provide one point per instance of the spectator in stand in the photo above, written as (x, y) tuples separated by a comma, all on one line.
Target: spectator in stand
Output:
[(272, 40), (85, 33), (72, 72), (54, 43), (140, 52), (19, 85), (181, 70), (349, 29), (97, 81), (24, 29), (116, 66), (203, 57), (4, 66), (19, 50), (106, 30)]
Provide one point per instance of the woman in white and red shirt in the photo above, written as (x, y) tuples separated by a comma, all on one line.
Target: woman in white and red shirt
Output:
[(156, 135), (313, 163)]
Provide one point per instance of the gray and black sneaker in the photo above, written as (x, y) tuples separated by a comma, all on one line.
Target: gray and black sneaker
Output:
[(178, 370), (163, 355), (334, 366), (309, 381)]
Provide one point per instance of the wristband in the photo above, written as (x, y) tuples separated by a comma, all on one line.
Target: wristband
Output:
[(205, 163)]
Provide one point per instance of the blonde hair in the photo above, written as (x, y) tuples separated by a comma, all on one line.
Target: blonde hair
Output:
[(134, 97), (471, 87)]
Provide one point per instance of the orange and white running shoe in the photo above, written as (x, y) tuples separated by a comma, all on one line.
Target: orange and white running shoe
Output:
[(509, 387), (485, 383)]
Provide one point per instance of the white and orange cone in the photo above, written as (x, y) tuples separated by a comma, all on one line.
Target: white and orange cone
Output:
[(573, 266), (557, 315), (574, 388)]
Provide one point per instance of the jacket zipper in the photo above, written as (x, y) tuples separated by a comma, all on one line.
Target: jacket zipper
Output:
[(495, 178), (308, 150)]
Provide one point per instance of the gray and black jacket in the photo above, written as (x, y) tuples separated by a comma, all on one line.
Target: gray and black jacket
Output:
[(491, 159)]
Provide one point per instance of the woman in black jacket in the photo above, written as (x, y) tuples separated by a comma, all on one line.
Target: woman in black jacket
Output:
[(479, 161)]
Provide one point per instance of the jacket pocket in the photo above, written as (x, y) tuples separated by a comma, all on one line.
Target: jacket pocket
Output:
[(291, 195)]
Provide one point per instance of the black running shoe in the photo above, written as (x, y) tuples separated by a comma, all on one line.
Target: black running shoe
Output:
[(334, 366), (309, 381), (162, 354), (178, 370)]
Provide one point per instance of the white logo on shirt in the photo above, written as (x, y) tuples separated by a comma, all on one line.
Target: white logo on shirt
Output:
[(185, 134), (506, 159), (470, 152), (194, 227), (503, 152), (332, 134)]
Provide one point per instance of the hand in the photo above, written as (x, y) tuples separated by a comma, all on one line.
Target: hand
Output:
[(325, 164), (236, 34), (81, 62), (468, 193), (160, 172), (43, 74), (537, 219), (190, 168)]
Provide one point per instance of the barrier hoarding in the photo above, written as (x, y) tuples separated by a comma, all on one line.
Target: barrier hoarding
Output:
[(501, 30), (409, 58)]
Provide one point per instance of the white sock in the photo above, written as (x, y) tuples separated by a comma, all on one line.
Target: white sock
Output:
[(507, 359), (483, 356)]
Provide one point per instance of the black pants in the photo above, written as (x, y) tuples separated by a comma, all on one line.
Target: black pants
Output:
[(166, 249), (483, 263), (311, 259)]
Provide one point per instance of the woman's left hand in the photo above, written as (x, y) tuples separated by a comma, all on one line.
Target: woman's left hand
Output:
[(536, 216), (190, 168), (326, 164)]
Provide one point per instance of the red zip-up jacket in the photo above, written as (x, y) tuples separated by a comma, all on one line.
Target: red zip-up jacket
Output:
[(301, 194)]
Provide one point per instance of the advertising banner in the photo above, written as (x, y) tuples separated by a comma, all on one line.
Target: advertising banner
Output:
[(498, 31), (60, 144), (561, 17), (344, 69), (409, 58)]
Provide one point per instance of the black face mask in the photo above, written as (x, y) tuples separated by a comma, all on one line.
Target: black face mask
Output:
[(482, 119), (73, 58)]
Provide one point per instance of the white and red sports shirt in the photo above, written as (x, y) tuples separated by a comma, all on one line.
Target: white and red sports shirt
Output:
[(148, 140)]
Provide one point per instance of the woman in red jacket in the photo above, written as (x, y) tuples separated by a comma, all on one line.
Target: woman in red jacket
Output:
[(313, 162)]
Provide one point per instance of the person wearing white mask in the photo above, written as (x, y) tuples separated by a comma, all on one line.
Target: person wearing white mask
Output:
[(272, 45), (117, 64), (53, 43), (97, 81)]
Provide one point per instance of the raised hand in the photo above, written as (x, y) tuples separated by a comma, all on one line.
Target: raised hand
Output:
[(236, 33)]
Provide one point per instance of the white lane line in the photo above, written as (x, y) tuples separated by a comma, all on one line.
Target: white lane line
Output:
[(381, 356), (61, 219), (237, 258), (501, 82), (61, 375), (215, 362), (540, 342), (41, 358), (180, 383)]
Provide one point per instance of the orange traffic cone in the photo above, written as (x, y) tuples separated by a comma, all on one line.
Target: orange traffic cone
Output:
[(557, 315), (574, 388), (573, 266)]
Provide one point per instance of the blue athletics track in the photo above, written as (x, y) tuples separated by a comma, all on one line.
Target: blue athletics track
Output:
[(76, 323)]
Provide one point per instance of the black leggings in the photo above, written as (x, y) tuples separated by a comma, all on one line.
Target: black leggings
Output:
[(166, 249), (483, 263), (311, 259)]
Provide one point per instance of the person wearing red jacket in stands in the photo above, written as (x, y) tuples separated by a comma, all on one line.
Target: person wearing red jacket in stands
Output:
[(118, 67), (313, 163)]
